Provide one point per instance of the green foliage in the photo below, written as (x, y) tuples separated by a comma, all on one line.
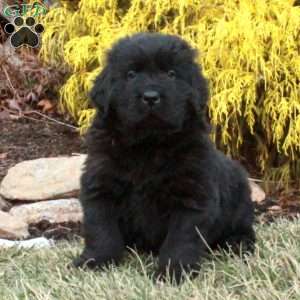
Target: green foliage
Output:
[(249, 51)]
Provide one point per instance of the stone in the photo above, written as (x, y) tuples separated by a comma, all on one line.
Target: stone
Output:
[(274, 208), (257, 193), (4, 205), (36, 243), (53, 211), (43, 179), (12, 227)]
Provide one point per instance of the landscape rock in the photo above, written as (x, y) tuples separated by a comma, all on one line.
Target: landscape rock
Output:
[(12, 227), (54, 211), (257, 193), (274, 208), (43, 179), (4, 205), (58, 177), (36, 243)]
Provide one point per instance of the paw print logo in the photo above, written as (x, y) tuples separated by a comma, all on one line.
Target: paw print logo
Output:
[(24, 33)]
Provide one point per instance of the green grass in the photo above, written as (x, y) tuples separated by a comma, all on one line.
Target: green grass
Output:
[(272, 273)]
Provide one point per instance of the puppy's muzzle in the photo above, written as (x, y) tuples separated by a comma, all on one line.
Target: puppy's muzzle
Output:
[(151, 98)]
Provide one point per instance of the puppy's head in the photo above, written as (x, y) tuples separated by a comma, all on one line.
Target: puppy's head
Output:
[(151, 82)]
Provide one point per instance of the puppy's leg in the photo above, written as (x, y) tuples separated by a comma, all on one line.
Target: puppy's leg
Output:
[(240, 243), (184, 245), (103, 240), (241, 238)]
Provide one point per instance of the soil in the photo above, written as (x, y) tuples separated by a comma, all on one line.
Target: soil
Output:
[(25, 139)]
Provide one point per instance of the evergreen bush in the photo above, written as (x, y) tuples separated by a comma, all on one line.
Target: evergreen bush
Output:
[(249, 50)]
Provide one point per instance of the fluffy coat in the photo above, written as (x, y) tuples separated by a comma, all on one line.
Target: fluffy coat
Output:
[(153, 180)]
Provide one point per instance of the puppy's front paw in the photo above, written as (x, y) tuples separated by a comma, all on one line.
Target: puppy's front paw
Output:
[(84, 261), (166, 273), (175, 272), (94, 259)]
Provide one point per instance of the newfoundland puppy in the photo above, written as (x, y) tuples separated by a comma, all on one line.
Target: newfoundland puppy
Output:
[(153, 180)]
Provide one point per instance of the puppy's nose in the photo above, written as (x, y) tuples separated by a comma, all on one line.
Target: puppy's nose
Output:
[(151, 97)]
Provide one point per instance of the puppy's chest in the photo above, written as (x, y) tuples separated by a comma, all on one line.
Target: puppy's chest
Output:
[(143, 174), (148, 170), (148, 181), (144, 221), (148, 176)]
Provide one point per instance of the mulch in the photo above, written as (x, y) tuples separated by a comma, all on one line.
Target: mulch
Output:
[(25, 139)]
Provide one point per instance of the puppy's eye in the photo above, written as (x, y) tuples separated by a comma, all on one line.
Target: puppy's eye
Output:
[(171, 73), (131, 74)]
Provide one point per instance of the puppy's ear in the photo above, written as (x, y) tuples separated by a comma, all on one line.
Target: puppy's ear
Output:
[(101, 90), (200, 86)]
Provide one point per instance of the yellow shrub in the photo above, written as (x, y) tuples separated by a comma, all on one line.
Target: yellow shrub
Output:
[(250, 51)]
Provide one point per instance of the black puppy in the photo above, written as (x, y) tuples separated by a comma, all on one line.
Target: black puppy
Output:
[(153, 180)]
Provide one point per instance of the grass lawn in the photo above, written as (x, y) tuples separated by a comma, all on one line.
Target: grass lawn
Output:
[(273, 273)]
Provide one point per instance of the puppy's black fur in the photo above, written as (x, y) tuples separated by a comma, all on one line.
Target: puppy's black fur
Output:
[(153, 180)]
